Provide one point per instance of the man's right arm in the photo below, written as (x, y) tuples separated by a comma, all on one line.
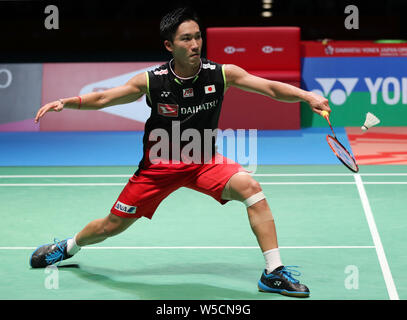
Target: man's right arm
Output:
[(133, 90)]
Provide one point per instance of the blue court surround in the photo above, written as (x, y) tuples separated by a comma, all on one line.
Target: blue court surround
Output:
[(274, 147)]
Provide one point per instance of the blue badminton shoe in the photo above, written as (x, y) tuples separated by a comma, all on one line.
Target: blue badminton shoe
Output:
[(281, 281), (49, 254)]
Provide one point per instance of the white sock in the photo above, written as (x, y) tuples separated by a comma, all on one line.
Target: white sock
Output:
[(273, 259), (72, 248)]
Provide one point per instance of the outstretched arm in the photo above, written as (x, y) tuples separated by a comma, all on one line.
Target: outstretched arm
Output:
[(238, 77), (134, 89)]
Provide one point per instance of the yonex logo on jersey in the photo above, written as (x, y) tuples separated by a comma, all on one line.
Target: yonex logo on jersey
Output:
[(165, 94), (210, 89), (125, 208), (168, 110), (189, 92)]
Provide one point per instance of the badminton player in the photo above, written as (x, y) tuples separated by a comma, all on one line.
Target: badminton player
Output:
[(185, 93)]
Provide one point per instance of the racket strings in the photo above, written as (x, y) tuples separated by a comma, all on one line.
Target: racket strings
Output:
[(342, 154)]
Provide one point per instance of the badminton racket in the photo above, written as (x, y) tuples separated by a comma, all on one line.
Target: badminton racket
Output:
[(339, 150)]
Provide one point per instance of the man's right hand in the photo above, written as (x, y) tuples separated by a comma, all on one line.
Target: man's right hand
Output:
[(52, 106)]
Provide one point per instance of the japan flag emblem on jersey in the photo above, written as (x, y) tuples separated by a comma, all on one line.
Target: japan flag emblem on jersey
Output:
[(210, 89)]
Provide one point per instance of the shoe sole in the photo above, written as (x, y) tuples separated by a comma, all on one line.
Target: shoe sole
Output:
[(297, 294)]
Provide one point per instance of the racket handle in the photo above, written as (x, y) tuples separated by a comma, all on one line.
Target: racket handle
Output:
[(325, 114)]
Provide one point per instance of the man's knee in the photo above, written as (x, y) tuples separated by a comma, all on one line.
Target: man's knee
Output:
[(244, 188), (250, 187), (241, 187)]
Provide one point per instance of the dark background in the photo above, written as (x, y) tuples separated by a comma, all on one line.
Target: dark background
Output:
[(128, 30)]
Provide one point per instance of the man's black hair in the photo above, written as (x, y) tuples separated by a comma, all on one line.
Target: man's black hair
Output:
[(170, 22)]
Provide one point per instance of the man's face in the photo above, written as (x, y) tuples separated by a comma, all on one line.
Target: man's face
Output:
[(187, 43)]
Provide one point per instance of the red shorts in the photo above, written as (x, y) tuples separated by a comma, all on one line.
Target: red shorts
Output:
[(144, 192)]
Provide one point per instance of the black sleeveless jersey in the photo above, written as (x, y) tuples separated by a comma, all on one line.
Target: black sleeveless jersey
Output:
[(179, 104)]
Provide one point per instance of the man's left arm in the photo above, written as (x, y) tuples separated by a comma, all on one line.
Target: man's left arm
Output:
[(238, 77)]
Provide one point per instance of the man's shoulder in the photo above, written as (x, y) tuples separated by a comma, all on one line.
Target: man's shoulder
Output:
[(161, 70), (210, 65)]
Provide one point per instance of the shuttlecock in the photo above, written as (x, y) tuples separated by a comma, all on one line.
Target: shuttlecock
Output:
[(371, 120)]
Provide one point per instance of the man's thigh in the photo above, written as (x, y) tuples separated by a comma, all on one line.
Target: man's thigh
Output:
[(212, 178)]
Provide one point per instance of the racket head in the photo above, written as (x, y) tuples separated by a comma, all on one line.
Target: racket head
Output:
[(342, 154)]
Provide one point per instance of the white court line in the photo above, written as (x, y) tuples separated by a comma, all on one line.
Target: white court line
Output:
[(200, 247), (255, 175), (328, 182), (392, 291), (323, 174), (67, 176), (380, 182), (300, 183), (104, 184), (93, 184), (391, 288)]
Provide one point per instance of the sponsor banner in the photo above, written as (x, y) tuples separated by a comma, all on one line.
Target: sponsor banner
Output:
[(255, 48), (20, 96), (352, 49), (269, 52), (249, 110), (73, 79), (355, 86)]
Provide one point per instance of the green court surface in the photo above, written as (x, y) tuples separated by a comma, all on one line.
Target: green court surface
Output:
[(346, 232)]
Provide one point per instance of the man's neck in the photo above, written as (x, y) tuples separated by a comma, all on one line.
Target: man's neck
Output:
[(185, 71)]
